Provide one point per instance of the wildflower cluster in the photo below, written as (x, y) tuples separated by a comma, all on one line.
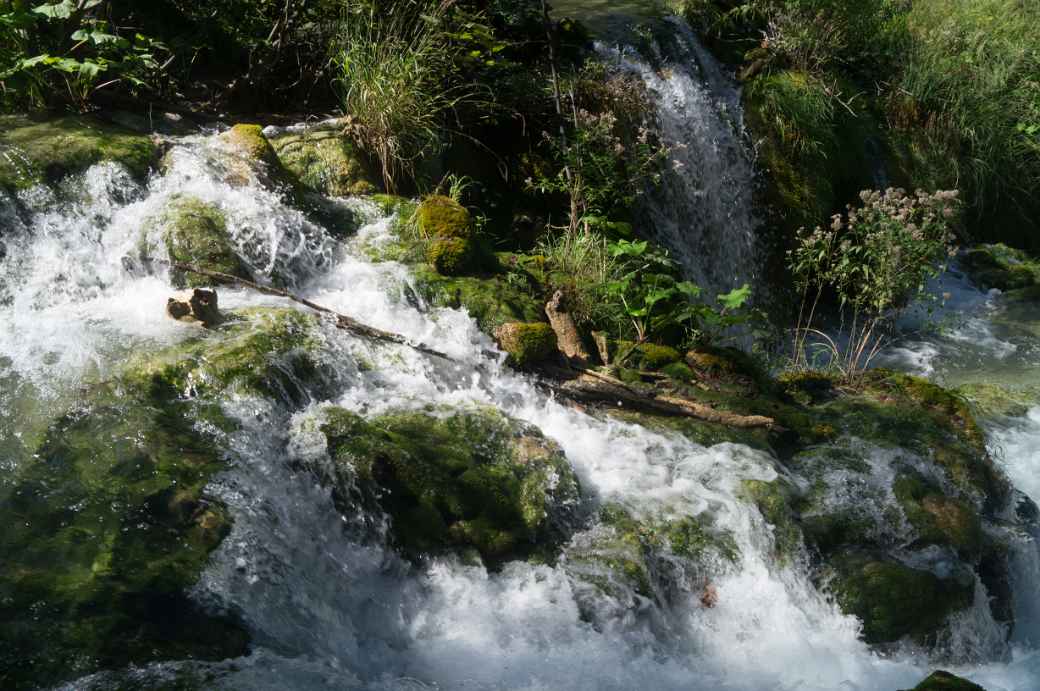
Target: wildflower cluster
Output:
[(876, 259)]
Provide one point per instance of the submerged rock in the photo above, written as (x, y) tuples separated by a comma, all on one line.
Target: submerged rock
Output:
[(196, 306), (45, 151), (470, 479)]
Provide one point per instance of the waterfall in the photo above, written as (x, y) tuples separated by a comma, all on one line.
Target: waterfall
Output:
[(703, 211)]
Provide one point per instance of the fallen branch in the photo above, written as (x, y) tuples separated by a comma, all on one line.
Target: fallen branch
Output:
[(577, 384), (342, 321), (596, 387)]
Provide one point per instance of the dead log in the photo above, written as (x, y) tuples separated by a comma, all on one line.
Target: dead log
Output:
[(589, 386)]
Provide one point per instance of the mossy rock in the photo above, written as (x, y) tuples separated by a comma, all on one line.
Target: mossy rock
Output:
[(451, 256), (443, 217), (938, 519), (774, 500), (326, 162), (259, 351), (250, 140), (651, 557), (995, 400), (653, 356), (896, 601), (109, 526), (35, 151), (1002, 267), (944, 681), (469, 479), (195, 232), (491, 300), (527, 343)]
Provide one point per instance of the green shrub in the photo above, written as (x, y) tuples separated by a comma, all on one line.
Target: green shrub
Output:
[(875, 259)]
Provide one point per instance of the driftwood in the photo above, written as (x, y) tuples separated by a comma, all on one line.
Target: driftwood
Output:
[(342, 321), (590, 386), (578, 384)]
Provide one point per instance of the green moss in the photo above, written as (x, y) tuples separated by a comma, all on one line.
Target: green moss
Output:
[(492, 300), (33, 151), (326, 162), (996, 400), (679, 371), (937, 518), (450, 256), (196, 233), (944, 681), (1003, 267), (626, 553), (527, 343), (652, 356), (443, 217), (250, 140), (107, 529), (259, 351), (774, 501), (894, 600), (473, 479)]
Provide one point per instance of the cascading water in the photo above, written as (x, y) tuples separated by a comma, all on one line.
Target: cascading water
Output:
[(703, 211), (326, 601)]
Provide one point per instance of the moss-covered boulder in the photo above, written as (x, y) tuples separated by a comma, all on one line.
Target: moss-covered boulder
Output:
[(491, 300), (326, 162), (1002, 267), (447, 228), (473, 479), (894, 600), (44, 151), (195, 232), (936, 517), (527, 343), (652, 557), (996, 400), (944, 681), (260, 351)]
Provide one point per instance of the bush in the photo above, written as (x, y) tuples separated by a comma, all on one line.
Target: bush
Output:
[(875, 259)]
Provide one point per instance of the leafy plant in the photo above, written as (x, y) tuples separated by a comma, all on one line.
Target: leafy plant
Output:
[(876, 260)]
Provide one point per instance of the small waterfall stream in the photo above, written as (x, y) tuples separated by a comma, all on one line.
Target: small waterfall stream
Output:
[(325, 601), (703, 211)]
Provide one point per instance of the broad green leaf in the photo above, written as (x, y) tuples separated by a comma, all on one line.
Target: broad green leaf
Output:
[(735, 298)]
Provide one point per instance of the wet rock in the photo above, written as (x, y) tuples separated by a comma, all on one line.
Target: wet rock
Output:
[(492, 300), (944, 681), (325, 162), (107, 530), (262, 351), (1002, 267), (195, 306), (894, 600), (470, 479), (937, 518), (527, 343), (195, 233), (36, 151)]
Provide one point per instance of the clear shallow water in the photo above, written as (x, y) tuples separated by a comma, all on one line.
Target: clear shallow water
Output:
[(326, 603)]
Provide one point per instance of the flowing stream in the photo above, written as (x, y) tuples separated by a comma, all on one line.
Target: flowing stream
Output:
[(328, 605)]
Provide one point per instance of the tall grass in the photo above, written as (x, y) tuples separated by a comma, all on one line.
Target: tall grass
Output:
[(398, 81), (579, 263), (973, 66)]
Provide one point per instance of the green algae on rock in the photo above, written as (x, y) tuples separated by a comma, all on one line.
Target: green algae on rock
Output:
[(447, 228), (1002, 267), (527, 343), (195, 232), (491, 301), (469, 479), (260, 351), (44, 151), (325, 162), (895, 600)]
